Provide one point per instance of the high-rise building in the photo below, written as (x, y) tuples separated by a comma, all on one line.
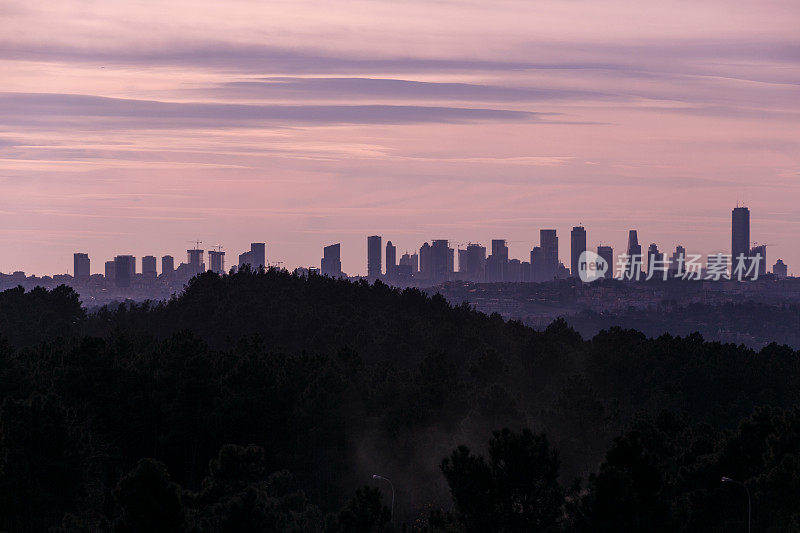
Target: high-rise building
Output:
[(195, 261), (425, 264), (607, 253), (258, 255), (548, 241), (441, 260), (216, 261), (167, 265), (81, 268), (634, 267), (497, 262), (374, 256), (779, 269), (414, 264), (476, 262), (653, 257), (538, 271), (577, 247), (331, 264), (123, 270), (110, 270), (391, 259), (410, 261), (677, 264), (245, 258), (758, 255), (149, 266), (740, 233)]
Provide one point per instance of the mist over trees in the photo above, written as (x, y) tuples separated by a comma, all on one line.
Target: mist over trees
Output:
[(263, 401)]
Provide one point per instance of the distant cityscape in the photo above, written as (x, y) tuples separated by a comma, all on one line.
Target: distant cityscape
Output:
[(435, 263)]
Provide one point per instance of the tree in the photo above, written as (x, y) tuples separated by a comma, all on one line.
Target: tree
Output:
[(149, 500)]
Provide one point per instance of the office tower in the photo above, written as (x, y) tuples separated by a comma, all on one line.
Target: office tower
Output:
[(538, 273), (414, 264), (462, 263), (441, 260), (258, 255), (525, 272), (740, 233), (475, 262), (497, 262), (410, 261), (653, 256), (425, 265), (331, 264), (374, 256), (577, 247), (758, 254), (109, 270), (513, 273), (634, 268), (391, 259), (167, 265), (216, 261), (677, 264), (607, 253), (245, 258), (81, 268), (195, 261), (779, 269), (149, 266), (123, 269), (451, 262), (548, 241)]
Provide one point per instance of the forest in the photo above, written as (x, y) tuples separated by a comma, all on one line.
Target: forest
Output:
[(266, 401)]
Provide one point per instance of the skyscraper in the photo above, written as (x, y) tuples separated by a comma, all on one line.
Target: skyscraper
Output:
[(149, 266), (123, 267), (167, 265), (425, 264), (216, 261), (758, 259), (258, 255), (740, 233), (497, 262), (538, 273), (331, 264), (110, 270), (195, 260), (475, 262), (81, 268), (548, 241), (607, 253), (374, 256), (441, 260), (577, 247), (677, 264), (391, 259)]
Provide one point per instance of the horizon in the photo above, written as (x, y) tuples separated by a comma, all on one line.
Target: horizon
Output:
[(132, 128)]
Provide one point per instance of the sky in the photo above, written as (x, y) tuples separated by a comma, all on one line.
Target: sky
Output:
[(136, 127)]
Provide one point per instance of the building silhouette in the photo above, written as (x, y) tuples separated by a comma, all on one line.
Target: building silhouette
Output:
[(194, 260), (677, 264), (475, 258), (634, 265), (607, 253), (149, 266), (497, 262), (124, 269), (374, 256), (391, 259), (654, 257), (779, 269), (577, 247), (538, 273), (81, 266), (758, 259), (548, 241), (167, 265), (740, 233), (331, 264), (258, 255), (216, 261), (109, 270)]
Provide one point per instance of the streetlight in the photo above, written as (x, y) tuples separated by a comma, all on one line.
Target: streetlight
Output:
[(729, 480), (376, 476)]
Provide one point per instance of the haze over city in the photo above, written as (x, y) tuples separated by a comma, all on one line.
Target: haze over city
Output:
[(136, 127)]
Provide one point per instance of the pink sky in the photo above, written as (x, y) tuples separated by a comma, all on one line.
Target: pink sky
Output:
[(134, 127)]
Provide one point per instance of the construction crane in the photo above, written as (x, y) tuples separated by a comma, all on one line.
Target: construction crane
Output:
[(196, 243)]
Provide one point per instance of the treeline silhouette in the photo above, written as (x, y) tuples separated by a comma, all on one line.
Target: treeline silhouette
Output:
[(263, 401)]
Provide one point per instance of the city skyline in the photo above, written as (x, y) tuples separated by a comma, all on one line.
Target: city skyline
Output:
[(127, 123)]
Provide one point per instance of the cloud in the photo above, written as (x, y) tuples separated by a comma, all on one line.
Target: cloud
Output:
[(36, 108)]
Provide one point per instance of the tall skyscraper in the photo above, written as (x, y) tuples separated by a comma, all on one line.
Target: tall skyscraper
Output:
[(441, 260), (758, 255), (149, 266), (497, 262), (331, 264), (677, 263), (415, 264), (607, 253), (577, 247), (258, 255), (195, 260), (81, 268), (216, 261), (167, 265), (123, 270), (391, 259), (374, 256), (548, 241), (740, 233), (538, 271), (476, 262)]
